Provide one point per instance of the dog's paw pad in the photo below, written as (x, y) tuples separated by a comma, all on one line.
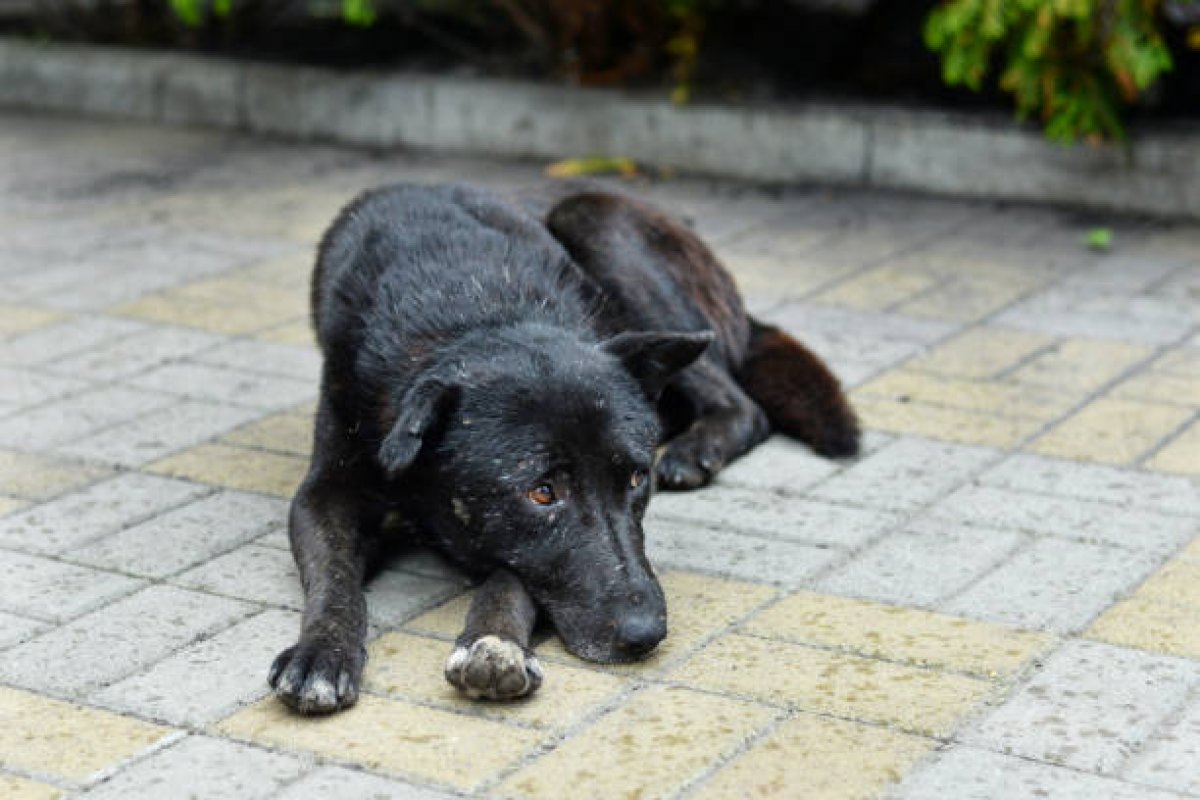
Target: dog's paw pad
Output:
[(494, 669), (315, 680), (685, 465)]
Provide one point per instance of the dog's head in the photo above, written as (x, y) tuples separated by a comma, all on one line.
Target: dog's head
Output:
[(535, 453)]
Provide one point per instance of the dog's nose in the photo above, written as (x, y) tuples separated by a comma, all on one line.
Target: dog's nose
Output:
[(639, 633)]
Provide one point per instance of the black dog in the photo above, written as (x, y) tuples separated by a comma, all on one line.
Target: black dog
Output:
[(499, 376)]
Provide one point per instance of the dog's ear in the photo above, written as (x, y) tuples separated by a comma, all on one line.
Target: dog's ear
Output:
[(418, 410), (654, 357)]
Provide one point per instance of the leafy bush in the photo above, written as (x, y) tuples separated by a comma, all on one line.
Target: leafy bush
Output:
[(1075, 63)]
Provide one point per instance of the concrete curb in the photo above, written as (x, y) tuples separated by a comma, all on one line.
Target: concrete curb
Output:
[(967, 155)]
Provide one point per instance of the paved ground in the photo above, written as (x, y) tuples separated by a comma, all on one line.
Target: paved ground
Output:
[(1000, 599)]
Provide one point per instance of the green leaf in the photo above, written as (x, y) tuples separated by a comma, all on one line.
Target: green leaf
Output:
[(1099, 238)]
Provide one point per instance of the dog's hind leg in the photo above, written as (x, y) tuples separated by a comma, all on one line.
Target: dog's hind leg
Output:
[(491, 658), (725, 423)]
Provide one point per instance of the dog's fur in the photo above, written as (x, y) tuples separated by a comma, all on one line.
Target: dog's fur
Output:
[(498, 375)]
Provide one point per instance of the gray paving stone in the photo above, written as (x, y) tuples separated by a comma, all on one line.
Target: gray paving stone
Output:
[(394, 597), (921, 565), (187, 535), (905, 475), (255, 573), (141, 629), (63, 338), (1120, 487), (1054, 584), (1086, 520), (348, 784), (692, 547), (202, 767), (1132, 318), (967, 773), (779, 464), (23, 387), (301, 363), (75, 519), (208, 680), (78, 416), (773, 515), (15, 629), (1171, 758), (159, 433), (136, 353), (221, 385), (52, 591), (1090, 707)]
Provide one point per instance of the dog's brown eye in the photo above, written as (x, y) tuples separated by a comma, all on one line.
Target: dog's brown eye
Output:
[(636, 478), (542, 494)]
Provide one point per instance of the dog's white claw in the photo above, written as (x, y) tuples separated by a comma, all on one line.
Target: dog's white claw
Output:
[(493, 668)]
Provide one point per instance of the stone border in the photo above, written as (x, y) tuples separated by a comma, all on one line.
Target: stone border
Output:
[(971, 155)]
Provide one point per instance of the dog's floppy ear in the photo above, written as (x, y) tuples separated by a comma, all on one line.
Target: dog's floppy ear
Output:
[(418, 410), (653, 357)]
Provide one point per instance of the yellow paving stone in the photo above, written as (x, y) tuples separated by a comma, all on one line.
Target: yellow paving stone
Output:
[(1111, 431), (947, 424), (289, 432), (68, 741), (650, 747), (22, 319), (408, 666), (391, 736), (292, 300), (293, 212), (981, 352), (37, 476), (1185, 361), (964, 299), (1035, 402), (877, 290), (808, 679), (1176, 584), (900, 634), (227, 318), (236, 467), (1191, 552), (1081, 364), (290, 270), (1161, 387), (780, 276), (298, 332), (818, 758), (14, 788), (1182, 454), (1147, 625), (10, 504)]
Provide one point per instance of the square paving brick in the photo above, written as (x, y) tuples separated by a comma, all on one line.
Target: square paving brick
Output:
[(222, 385), (52, 591), (967, 773), (983, 352), (209, 679), (185, 536), (301, 363), (290, 432), (410, 667), (773, 515), (15, 788), (76, 519), (1145, 624), (136, 353), (23, 387), (78, 416), (1090, 707), (779, 464), (822, 758), (1170, 757), (395, 597), (688, 545), (944, 423), (22, 319), (1120, 487), (70, 336), (1179, 454), (237, 468), (143, 628), (1053, 584), (158, 433), (817, 680), (391, 736), (207, 767), (14, 629), (1112, 431), (254, 573), (1128, 317), (905, 475), (923, 564), (988, 397), (1160, 387), (899, 634), (39, 477), (1073, 518), (66, 741), (1081, 364), (330, 782), (649, 747)]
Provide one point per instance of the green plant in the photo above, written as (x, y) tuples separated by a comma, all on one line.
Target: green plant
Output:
[(1076, 63)]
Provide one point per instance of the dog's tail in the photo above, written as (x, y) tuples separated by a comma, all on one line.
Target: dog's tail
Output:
[(799, 394)]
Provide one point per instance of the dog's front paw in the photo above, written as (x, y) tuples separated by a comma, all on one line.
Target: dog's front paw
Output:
[(494, 669), (688, 463), (316, 678)]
